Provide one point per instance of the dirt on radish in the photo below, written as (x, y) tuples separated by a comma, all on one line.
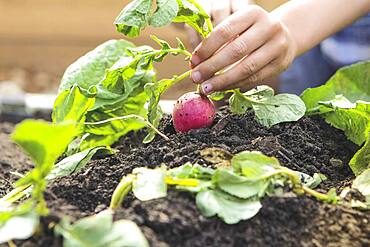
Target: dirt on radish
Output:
[(308, 145)]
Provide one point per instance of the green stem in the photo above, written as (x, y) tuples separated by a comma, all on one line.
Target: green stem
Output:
[(15, 194), (148, 124), (182, 76), (171, 50), (293, 175), (316, 194), (122, 189)]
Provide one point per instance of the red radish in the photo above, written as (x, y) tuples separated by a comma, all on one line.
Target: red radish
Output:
[(193, 111)]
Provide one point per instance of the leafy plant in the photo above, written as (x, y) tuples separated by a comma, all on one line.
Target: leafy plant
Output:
[(232, 193), (344, 102), (118, 79), (100, 231), (44, 142)]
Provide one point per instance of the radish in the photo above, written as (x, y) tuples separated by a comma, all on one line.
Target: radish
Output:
[(193, 111)]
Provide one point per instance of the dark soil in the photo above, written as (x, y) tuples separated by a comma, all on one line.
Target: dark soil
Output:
[(309, 145)]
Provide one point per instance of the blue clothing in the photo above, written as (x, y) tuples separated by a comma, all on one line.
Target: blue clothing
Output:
[(315, 67)]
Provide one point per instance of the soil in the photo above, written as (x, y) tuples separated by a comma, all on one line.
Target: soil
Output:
[(309, 145)]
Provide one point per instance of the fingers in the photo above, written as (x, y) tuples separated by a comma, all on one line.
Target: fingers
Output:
[(243, 45), (221, 9), (249, 68), (268, 71), (224, 32)]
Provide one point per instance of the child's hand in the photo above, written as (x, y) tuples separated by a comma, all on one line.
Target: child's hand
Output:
[(247, 47)]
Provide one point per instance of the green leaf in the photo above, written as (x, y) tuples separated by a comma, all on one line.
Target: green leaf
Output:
[(100, 231), (89, 70), (75, 162), (260, 92), (125, 79), (362, 183), (361, 160), (149, 183), (134, 17), (353, 82), (109, 132), (239, 103), (154, 91), (239, 186), (191, 171), (279, 108), (193, 15), (18, 225), (354, 122), (165, 12), (338, 102), (72, 105), (137, 15), (216, 96), (203, 175), (230, 209), (269, 109), (43, 141), (254, 164)]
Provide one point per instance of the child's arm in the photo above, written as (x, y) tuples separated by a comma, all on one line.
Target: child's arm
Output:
[(311, 21)]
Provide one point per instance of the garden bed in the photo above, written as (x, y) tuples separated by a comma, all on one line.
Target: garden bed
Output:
[(308, 145)]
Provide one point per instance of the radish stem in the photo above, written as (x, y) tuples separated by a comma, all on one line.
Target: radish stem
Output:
[(122, 189)]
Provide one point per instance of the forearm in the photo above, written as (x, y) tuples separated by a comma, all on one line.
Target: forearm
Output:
[(311, 21)]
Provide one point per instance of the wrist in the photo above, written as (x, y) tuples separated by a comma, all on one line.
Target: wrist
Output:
[(293, 32)]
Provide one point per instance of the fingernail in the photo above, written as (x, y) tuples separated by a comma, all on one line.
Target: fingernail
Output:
[(195, 60), (196, 76), (207, 88)]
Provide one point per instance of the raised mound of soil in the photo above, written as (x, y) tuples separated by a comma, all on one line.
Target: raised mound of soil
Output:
[(309, 145)]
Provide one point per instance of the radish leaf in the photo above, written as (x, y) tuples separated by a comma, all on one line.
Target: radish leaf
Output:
[(269, 109), (72, 105), (193, 15), (355, 122), (149, 183), (100, 231), (75, 162), (239, 185), (20, 225), (361, 160), (137, 15), (44, 142), (230, 209), (353, 82), (90, 69)]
